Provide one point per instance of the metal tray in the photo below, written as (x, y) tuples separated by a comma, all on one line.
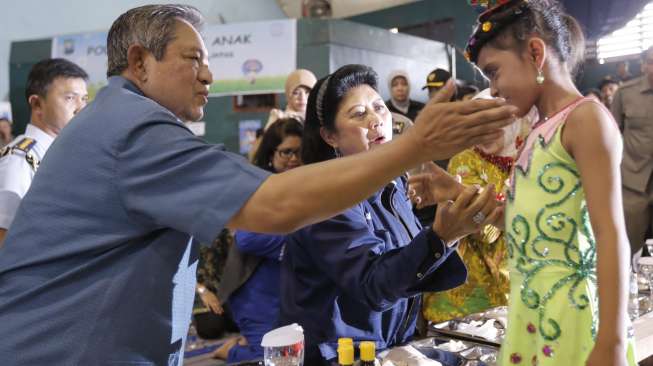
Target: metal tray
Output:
[(471, 353), (451, 328)]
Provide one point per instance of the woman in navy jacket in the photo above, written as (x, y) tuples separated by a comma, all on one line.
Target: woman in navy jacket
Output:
[(250, 282), (361, 274)]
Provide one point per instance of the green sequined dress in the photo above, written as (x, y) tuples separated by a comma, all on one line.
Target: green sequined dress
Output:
[(553, 306)]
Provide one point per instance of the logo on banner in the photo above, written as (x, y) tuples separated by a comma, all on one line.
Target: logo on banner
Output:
[(99, 50), (69, 46), (251, 68)]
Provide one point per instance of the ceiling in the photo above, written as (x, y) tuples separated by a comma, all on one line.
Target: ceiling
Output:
[(342, 8)]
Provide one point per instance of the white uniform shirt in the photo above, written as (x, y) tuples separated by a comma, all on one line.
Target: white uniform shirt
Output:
[(16, 174)]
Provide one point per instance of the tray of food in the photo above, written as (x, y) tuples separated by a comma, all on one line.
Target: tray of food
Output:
[(453, 352), (487, 328)]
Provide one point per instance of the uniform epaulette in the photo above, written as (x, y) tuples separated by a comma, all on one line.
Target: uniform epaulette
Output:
[(25, 146)]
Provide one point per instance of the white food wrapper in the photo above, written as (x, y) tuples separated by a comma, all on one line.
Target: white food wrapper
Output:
[(407, 356)]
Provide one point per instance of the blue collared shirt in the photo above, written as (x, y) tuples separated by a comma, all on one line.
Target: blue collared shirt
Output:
[(99, 265)]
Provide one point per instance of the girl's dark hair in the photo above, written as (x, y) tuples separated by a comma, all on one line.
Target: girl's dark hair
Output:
[(323, 104), (272, 138), (510, 25)]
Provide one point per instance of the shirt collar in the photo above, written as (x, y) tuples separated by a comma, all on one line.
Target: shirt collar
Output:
[(377, 195), (43, 140), (122, 82)]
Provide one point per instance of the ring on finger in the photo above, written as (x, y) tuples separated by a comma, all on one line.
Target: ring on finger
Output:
[(478, 218)]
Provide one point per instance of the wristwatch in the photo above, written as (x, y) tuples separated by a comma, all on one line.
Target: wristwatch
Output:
[(201, 290)]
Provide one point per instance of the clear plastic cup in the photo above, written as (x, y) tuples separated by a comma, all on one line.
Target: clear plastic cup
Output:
[(284, 346), (633, 297)]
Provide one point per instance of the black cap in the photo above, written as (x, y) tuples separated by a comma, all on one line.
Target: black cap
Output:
[(437, 78), (607, 80)]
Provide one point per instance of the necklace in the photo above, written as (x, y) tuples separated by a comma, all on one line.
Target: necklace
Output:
[(502, 162), (546, 118)]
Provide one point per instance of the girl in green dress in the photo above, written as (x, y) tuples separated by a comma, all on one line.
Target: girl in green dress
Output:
[(564, 226)]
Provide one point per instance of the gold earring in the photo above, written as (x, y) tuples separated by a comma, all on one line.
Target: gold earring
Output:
[(540, 77)]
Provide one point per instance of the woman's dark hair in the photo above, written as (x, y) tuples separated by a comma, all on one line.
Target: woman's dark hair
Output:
[(323, 103), (510, 25), (272, 138)]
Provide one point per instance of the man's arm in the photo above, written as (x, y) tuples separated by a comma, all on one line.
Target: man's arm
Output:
[(3, 233), (312, 193)]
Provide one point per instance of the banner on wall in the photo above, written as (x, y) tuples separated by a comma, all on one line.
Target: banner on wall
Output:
[(251, 58), (89, 51), (245, 58)]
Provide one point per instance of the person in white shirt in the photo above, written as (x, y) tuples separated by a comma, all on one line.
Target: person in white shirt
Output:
[(55, 92), (5, 132)]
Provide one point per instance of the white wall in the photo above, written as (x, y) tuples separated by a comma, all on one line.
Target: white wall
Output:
[(34, 19)]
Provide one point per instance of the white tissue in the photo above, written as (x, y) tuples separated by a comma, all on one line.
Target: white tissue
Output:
[(407, 356)]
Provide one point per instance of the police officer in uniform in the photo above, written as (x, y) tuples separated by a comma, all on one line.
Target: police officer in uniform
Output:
[(632, 107), (55, 92), (436, 80)]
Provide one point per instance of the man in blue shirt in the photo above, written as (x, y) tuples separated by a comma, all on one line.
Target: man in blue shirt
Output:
[(99, 264)]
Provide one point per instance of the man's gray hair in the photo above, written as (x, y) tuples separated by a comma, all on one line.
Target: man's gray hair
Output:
[(151, 26)]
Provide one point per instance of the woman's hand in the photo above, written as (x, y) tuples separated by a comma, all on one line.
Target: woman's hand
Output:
[(211, 301), (467, 214), (433, 185), (607, 354)]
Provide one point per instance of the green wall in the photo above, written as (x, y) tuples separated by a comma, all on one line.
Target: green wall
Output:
[(424, 11), (23, 56)]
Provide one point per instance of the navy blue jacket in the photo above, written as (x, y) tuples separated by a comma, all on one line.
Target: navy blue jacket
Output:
[(361, 274), (255, 303)]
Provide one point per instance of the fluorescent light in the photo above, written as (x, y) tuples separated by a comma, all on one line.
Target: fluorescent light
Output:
[(622, 46), (629, 40), (620, 53)]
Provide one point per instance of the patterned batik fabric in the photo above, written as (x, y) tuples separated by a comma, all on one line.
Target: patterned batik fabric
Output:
[(212, 260), (484, 255), (553, 307)]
